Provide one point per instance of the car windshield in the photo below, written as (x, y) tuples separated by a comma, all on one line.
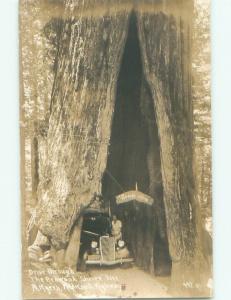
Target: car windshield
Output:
[(98, 223)]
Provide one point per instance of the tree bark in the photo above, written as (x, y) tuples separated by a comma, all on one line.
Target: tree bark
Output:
[(72, 251), (81, 110), (165, 40)]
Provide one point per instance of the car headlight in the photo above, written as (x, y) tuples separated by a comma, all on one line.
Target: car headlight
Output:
[(94, 244), (121, 243)]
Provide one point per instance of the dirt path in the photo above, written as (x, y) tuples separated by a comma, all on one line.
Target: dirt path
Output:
[(130, 282), (43, 281)]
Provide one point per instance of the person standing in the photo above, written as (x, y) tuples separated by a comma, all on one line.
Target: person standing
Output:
[(116, 228)]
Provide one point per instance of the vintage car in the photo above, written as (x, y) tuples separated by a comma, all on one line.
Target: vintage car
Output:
[(97, 246)]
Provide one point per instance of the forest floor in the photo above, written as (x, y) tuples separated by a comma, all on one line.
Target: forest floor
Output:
[(46, 282)]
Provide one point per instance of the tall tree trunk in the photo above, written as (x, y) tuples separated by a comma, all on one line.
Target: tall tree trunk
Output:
[(165, 39), (81, 111)]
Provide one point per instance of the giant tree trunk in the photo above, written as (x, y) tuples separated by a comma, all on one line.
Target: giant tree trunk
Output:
[(82, 106), (165, 39), (81, 110)]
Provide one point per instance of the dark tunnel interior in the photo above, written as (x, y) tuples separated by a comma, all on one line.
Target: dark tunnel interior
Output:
[(134, 159), (129, 139)]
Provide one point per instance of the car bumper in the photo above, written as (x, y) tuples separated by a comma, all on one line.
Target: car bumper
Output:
[(109, 263)]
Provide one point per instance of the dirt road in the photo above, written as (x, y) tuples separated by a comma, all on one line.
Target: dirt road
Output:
[(46, 282), (130, 282)]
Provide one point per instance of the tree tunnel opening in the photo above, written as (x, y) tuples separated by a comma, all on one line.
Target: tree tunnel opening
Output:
[(134, 159)]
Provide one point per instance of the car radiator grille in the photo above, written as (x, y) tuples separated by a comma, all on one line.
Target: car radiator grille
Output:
[(107, 246)]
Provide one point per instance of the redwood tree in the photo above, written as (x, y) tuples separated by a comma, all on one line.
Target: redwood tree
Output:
[(82, 104), (165, 36)]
